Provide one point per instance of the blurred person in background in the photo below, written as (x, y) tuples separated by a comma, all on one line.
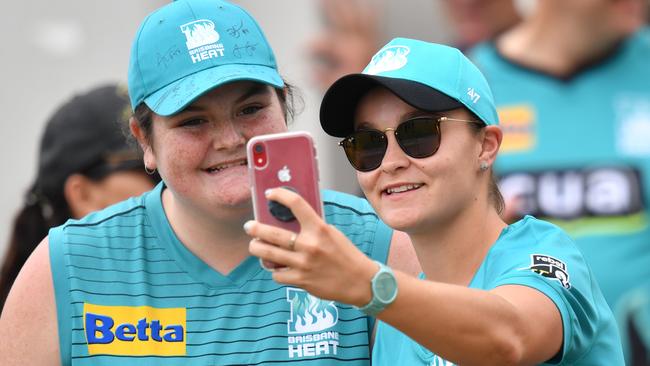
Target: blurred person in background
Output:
[(352, 30), (350, 34), (474, 21), (85, 164), (572, 86)]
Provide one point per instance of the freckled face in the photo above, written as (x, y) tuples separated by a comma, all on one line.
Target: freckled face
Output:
[(415, 195), (201, 151)]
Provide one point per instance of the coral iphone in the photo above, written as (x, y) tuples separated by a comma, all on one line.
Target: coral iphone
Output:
[(286, 160)]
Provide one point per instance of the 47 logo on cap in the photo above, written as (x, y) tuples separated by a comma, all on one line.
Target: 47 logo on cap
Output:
[(134, 330)]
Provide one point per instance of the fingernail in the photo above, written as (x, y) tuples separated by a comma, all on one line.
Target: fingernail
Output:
[(267, 192), (248, 225)]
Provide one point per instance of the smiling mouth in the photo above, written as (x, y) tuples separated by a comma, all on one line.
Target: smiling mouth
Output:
[(221, 167), (402, 188)]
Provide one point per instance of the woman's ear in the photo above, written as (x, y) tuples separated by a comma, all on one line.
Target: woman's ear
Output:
[(77, 191), (144, 142), (492, 136)]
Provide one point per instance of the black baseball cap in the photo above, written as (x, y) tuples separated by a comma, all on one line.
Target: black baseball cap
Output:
[(86, 134)]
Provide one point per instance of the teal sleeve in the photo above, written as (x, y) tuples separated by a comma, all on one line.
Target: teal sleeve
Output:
[(538, 255), (61, 292), (589, 329), (536, 282)]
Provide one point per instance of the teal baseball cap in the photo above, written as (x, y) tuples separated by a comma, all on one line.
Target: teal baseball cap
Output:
[(189, 47), (429, 76)]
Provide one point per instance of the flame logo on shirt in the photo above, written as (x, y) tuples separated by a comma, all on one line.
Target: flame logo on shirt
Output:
[(309, 313)]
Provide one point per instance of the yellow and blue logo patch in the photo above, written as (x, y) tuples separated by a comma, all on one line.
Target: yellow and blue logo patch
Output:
[(518, 126), (135, 330)]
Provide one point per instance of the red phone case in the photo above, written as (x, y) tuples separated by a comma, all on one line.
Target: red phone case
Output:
[(285, 159)]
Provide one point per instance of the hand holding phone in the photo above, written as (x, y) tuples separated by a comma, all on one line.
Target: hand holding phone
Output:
[(286, 160)]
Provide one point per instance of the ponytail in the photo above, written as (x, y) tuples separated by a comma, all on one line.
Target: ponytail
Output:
[(30, 226)]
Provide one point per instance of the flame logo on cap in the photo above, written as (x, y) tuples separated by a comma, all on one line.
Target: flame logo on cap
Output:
[(388, 59), (199, 33)]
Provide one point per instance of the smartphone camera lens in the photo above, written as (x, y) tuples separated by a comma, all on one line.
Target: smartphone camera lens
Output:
[(259, 155)]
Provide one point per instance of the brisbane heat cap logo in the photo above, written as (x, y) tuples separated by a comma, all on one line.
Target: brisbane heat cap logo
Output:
[(201, 40)]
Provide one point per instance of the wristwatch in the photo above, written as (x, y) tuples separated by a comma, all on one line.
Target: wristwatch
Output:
[(384, 290)]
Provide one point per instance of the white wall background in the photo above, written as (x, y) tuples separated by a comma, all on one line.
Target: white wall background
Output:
[(52, 49)]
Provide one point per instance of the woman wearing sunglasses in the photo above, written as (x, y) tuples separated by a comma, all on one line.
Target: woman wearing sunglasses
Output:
[(419, 125)]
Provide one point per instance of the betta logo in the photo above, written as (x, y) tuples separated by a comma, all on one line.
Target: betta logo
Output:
[(134, 330), (309, 313), (284, 174)]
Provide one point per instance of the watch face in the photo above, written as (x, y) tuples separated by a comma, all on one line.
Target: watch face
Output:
[(385, 287)]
